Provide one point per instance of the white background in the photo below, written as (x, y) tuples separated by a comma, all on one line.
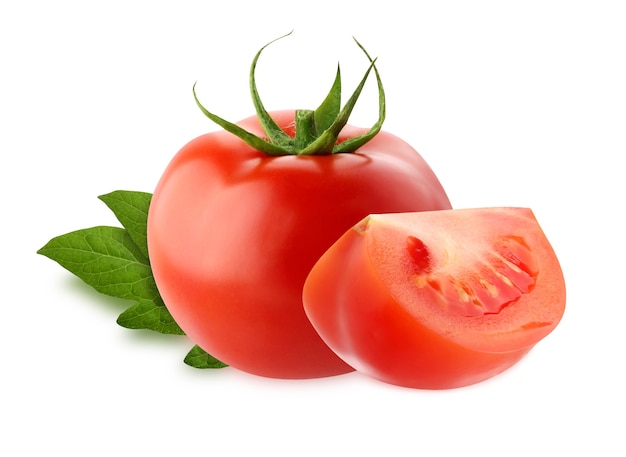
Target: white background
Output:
[(511, 103)]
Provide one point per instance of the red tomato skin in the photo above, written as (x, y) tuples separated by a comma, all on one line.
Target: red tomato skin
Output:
[(357, 315), (233, 234)]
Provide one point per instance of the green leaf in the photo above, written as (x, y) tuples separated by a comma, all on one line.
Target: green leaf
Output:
[(108, 259), (198, 358), (150, 315), (115, 262), (131, 209)]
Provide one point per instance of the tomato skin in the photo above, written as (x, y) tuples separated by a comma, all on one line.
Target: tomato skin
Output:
[(233, 234), (378, 321)]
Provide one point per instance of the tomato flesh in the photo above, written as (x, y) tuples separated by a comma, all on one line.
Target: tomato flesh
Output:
[(437, 299), (499, 278), (233, 234)]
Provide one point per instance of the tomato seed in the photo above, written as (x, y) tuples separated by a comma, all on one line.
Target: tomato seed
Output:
[(419, 252)]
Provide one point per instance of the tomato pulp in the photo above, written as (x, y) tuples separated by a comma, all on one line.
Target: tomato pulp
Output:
[(437, 299), (233, 234)]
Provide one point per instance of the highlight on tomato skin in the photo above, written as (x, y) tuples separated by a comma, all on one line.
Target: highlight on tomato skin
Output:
[(437, 299)]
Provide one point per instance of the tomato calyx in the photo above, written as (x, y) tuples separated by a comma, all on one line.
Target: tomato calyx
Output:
[(316, 131)]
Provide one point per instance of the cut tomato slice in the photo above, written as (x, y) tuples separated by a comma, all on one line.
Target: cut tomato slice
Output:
[(437, 299)]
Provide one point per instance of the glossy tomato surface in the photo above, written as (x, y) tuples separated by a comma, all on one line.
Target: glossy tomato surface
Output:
[(438, 299), (233, 234)]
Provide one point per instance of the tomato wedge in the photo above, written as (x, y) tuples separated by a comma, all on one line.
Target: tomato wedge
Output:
[(437, 299)]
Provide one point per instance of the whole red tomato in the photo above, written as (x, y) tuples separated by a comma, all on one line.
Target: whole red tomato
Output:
[(233, 233)]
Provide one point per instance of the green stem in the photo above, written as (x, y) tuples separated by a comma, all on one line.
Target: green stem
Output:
[(306, 129)]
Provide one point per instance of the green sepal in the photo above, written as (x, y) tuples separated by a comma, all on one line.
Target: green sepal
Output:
[(251, 139), (355, 143), (322, 128), (274, 133), (327, 112), (327, 141)]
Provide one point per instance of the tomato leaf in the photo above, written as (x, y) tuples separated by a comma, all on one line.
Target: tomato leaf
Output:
[(108, 259), (150, 315), (114, 261), (198, 358), (131, 209)]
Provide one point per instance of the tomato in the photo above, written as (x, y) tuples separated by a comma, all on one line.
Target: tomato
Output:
[(438, 299), (233, 234), (240, 216)]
